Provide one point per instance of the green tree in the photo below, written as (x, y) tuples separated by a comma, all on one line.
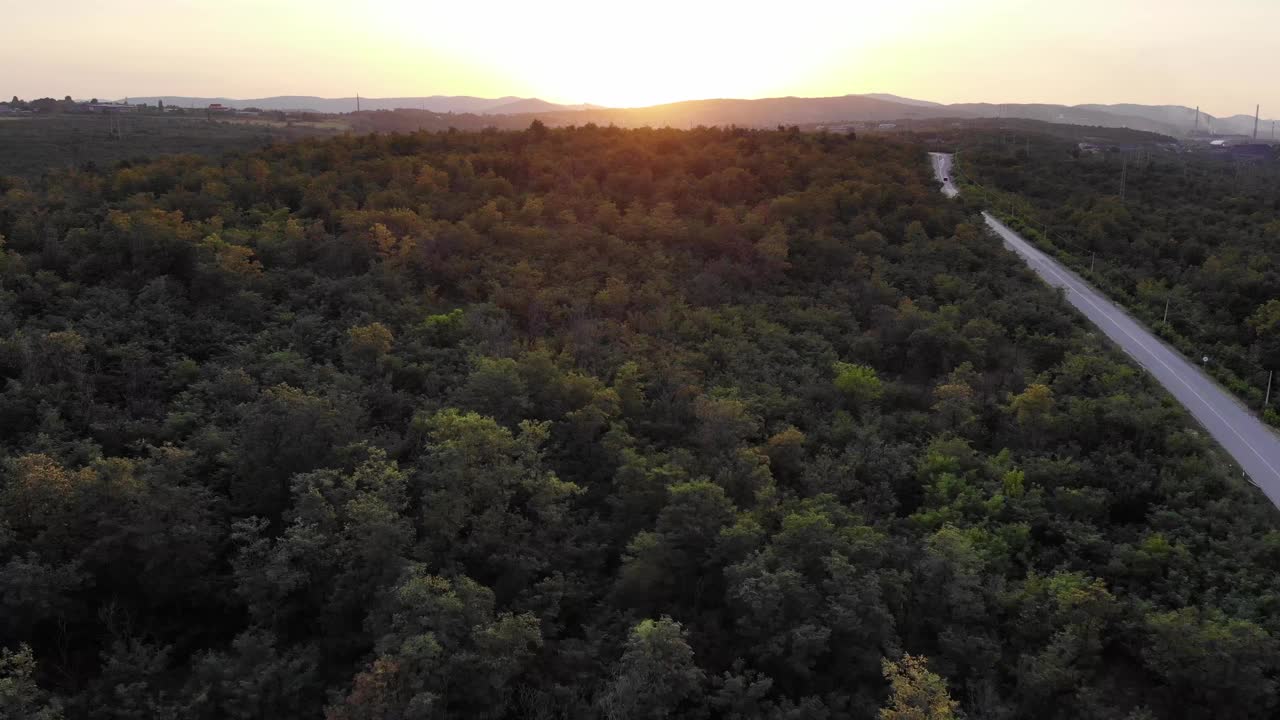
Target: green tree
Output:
[(369, 343), (723, 423), (442, 650), (1265, 323), (672, 563), (496, 388), (285, 431), (859, 384), (1211, 664), (489, 505), (1032, 406), (773, 250), (657, 676), (20, 697), (254, 679), (954, 404)]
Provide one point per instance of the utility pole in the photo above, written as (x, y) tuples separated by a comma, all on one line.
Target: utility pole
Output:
[(357, 102), (1165, 321), (1257, 111), (1093, 259), (1197, 127), (1267, 399)]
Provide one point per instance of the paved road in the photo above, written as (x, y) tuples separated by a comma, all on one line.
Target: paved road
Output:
[(942, 168), (1251, 443)]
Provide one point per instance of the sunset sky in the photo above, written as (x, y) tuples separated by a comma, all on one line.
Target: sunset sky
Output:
[(1221, 55)]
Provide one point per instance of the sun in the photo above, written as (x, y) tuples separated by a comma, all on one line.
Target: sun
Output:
[(639, 54)]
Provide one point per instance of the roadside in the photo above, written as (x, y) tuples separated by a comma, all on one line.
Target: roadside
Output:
[(942, 170), (1242, 435), (1164, 299)]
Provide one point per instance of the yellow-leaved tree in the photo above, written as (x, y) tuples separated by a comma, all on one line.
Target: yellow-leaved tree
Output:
[(916, 693)]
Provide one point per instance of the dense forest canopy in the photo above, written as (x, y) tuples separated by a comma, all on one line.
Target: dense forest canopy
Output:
[(590, 422), (33, 146), (1196, 232)]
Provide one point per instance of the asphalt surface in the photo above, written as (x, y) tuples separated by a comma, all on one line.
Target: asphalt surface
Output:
[(942, 168), (1253, 445)]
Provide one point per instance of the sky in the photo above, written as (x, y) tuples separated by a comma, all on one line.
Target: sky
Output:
[(1220, 55)]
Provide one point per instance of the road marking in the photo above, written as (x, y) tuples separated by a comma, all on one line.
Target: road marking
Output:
[(1037, 259), (1032, 255)]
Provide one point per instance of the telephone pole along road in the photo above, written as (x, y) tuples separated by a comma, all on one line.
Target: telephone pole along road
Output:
[(1250, 442)]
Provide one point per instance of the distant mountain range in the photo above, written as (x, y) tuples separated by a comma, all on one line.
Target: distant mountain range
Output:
[(1164, 119), (435, 103), (1174, 120), (903, 100)]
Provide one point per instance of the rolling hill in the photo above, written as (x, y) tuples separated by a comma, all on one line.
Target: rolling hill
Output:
[(533, 105), (434, 103), (1169, 120), (899, 99), (1173, 120)]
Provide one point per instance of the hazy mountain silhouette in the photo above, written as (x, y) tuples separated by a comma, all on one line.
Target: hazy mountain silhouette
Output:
[(1184, 119), (1174, 115), (1242, 125), (766, 112), (533, 105), (1175, 120), (1171, 120), (434, 103), (1072, 115), (899, 99)]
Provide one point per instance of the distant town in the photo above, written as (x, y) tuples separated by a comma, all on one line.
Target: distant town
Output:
[(53, 106)]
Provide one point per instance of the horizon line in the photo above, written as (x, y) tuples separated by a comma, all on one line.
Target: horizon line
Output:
[(676, 102)]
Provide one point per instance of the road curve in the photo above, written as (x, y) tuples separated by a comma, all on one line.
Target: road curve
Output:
[(1250, 442), (942, 169)]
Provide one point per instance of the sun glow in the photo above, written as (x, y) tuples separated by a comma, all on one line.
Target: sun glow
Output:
[(642, 53), (631, 54)]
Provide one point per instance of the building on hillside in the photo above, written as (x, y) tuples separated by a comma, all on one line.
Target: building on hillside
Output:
[(1226, 141), (109, 108)]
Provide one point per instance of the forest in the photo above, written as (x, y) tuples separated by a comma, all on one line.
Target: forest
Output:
[(592, 422), (1195, 232), (34, 145)]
